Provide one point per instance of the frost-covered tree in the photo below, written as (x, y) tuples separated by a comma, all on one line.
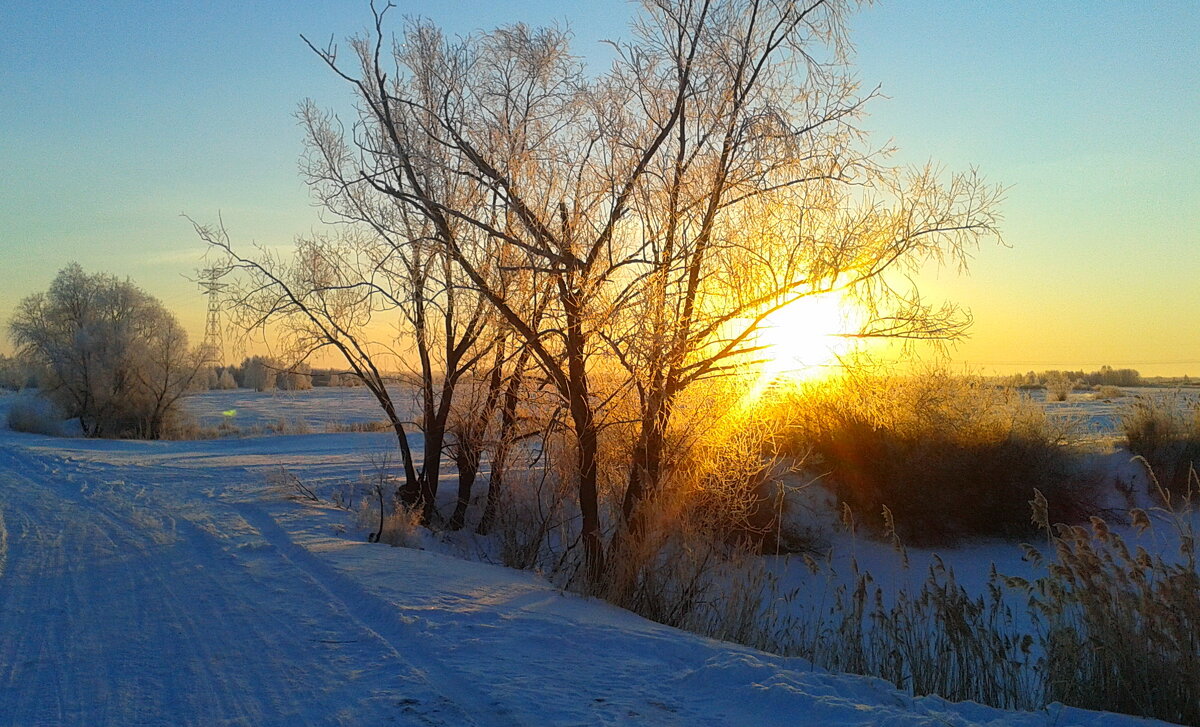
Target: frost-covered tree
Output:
[(207, 381), (226, 380), (296, 378), (259, 373), (111, 354)]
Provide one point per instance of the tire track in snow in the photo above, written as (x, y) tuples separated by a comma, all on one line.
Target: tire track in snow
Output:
[(3, 541), (94, 639), (384, 621), (35, 621), (101, 622), (379, 619)]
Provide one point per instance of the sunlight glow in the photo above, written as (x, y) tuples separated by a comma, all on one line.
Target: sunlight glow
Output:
[(804, 338)]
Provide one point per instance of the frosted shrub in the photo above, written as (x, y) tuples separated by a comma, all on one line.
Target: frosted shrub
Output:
[(692, 558), (16, 374), (34, 415), (206, 380), (380, 425), (184, 427), (259, 373), (676, 573), (285, 425), (951, 456), (1059, 389), (532, 523), (402, 528), (297, 378)]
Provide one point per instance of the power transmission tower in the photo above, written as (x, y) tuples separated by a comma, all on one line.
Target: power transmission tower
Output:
[(210, 283)]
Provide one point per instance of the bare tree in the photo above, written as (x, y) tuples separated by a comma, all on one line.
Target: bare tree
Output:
[(313, 302), (664, 210), (165, 369), (516, 95), (384, 265)]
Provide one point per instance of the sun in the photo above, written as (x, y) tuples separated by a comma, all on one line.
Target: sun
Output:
[(806, 339)]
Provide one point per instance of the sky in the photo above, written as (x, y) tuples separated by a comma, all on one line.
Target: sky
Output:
[(116, 118)]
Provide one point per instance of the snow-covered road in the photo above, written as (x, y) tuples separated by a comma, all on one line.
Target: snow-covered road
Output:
[(115, 610), (161, 583)]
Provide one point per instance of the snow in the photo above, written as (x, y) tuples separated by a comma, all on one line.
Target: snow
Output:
[(319, 408), (149, 583), (1098, 417)]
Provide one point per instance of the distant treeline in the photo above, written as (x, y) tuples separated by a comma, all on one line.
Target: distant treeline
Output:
[(1105, 376), (16, 374), (261, 373), (264, 373)]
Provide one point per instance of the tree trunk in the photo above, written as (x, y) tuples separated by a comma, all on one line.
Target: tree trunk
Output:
[(495, 488), (435, 437), (587, 440), (645, 474), (468, 467), (593, 546), (508, 425), (421, 493), (410, 471)]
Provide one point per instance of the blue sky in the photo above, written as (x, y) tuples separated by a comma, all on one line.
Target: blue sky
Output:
[(115, 117)]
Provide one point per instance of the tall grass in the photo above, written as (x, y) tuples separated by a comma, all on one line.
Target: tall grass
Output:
[(1120, 624), (1113, 624), (939, 639), (1165, 431), (683, 577)]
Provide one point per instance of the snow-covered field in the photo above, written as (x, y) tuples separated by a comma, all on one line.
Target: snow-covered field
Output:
[(325, 408), (318, 409), (1099, 417), (152, 583)]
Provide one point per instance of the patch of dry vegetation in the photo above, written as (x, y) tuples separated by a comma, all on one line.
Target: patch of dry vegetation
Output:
[(1120, 624), (1164, 429), (693, 560), (366, 427), (532, 524), (952, 457), (1115, 626), (938, 640)]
